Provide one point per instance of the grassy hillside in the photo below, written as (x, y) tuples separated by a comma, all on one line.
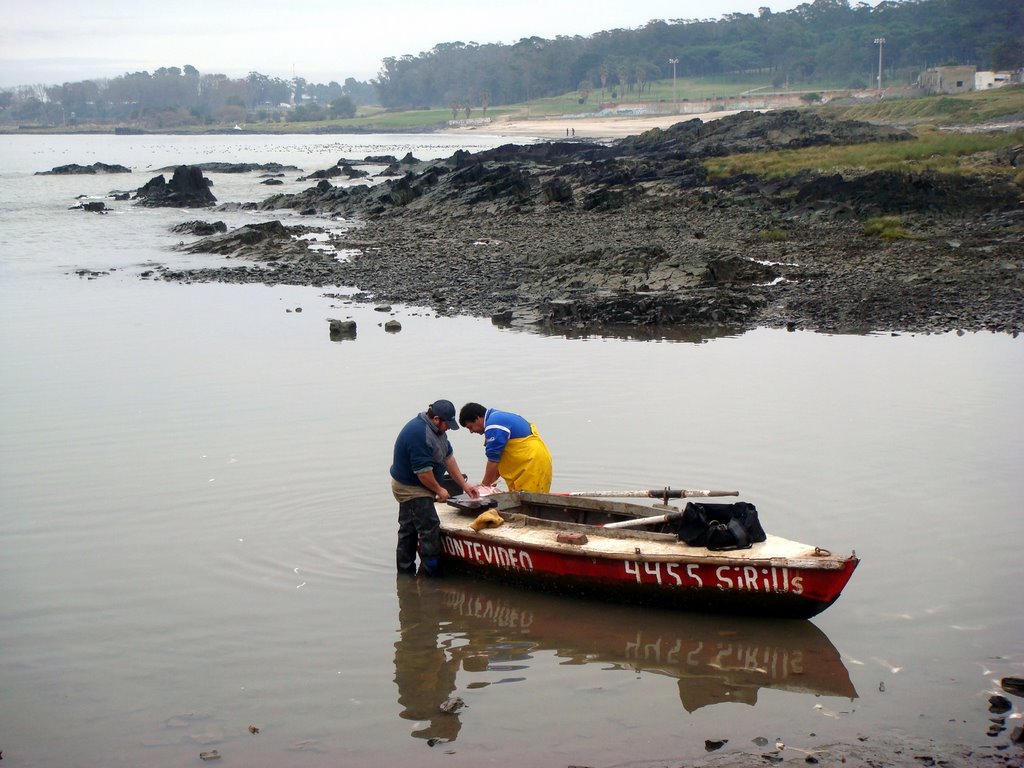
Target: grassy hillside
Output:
[(967, 109), (948, 139), (933, 149)]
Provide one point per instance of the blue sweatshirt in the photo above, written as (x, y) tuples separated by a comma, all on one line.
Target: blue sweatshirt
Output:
[(420, 447)]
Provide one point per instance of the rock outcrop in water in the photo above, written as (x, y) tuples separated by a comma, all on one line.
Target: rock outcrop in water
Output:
[(217, 167), (201, 228), (188, 188), (76, 169), (580, 236)]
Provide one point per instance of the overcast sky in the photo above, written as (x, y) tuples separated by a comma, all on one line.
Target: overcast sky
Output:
[(56, 41)]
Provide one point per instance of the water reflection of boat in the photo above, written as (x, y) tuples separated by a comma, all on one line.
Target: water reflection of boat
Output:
[(455, 627)]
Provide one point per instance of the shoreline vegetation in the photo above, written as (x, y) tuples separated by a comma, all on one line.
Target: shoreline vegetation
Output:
[(549, 118)]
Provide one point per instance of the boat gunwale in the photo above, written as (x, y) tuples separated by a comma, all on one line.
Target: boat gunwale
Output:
[(686, 553)]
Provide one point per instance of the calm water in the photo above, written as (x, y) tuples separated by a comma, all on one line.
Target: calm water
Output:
[(197, 533)]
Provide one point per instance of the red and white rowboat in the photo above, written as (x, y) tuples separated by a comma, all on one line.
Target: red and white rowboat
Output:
[(560, 543)]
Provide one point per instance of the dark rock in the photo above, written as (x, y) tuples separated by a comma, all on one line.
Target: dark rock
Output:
[(353, 173), (395, 169), (341, 329), (606, 199), (734, 269), (197, 227), (881, 192), (266, 241), (1013, 685), (93, 206), (74, 168), (402, 192), (236, 167), (999, 704), (752, 131), (341, 169), (556, 191), (326, 173), (188, 188), (392, 326)]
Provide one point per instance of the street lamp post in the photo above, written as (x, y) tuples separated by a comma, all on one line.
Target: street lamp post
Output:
[(879, 41), (675, 98)]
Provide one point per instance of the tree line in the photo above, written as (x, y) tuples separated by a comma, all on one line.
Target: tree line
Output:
[(820, 41), (824, 40), (173, 97)]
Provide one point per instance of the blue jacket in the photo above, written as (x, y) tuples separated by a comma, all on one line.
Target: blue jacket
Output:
[(419, 447), (499, 428)]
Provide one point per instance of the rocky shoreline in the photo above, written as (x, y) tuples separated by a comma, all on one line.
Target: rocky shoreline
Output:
[(579, 237)]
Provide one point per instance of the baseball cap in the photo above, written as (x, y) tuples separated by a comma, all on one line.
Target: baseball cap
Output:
[(445, 410)]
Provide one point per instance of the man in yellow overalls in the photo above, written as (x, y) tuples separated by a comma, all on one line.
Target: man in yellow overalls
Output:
[(513, 448)]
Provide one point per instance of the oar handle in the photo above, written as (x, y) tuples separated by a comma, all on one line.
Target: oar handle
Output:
[(644, 521), (684, 494), (664, 493)]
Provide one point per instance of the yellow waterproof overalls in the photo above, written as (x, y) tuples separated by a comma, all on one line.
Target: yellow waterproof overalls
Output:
[(525, 464)]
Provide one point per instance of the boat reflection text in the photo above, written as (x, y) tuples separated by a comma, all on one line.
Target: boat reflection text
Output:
[(456, 635)]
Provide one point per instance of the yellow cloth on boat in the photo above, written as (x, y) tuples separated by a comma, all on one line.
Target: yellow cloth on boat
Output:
[(488, 519), (526, 464)]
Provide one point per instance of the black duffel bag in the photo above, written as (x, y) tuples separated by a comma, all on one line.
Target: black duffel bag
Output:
[(719, 526)]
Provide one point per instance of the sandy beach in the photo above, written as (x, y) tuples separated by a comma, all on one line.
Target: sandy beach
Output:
[(590, 128)]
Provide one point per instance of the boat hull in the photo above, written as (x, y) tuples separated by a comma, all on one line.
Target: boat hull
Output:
[(776, 578)]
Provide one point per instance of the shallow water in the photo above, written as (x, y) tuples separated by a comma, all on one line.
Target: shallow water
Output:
[(197, 533)]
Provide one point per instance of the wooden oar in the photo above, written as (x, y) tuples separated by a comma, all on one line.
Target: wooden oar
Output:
[(665, 493), (644, 520)]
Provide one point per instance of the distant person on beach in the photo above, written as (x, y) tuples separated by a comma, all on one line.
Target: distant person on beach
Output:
[(514, 450), (422, 454)]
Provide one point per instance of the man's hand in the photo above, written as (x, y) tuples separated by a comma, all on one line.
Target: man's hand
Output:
[(472, 491), (442, 494)]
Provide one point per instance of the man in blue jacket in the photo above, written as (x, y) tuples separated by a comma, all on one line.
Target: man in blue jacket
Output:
[(422, 454)]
